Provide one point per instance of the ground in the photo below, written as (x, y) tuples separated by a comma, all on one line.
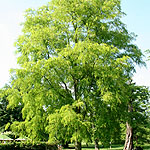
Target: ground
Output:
[(117, 147)]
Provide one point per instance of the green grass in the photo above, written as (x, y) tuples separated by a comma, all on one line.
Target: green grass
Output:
[(117, 148), (114, 147), (146, 147), (91, 147)]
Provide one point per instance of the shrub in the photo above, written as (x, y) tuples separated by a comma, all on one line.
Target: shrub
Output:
[(27, 146)]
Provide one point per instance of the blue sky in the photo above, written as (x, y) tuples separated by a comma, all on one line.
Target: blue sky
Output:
[(11, 15), (138, 21)]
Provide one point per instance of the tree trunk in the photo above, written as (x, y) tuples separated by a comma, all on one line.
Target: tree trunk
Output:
[(129, 138), (65, 144), (136, 138), (77, 145), (96, 145)]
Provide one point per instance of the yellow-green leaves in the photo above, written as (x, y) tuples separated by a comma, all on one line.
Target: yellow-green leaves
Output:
[(75, 59)]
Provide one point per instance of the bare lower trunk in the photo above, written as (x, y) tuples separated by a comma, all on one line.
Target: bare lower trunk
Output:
[(96, 145), (129, 138), (77, 145), (136, 138)]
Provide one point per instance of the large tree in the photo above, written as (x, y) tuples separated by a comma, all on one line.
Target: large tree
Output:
[(75, 59)]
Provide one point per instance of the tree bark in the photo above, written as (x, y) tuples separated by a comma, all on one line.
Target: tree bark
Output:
[(77, 145), (96, 145), (129, 138)]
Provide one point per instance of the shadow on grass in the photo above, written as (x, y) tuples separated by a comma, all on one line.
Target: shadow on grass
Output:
[(146, 147), (113, 147), (92, 147)]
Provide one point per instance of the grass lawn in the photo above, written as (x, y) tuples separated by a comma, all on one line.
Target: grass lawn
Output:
[(115, 147), (146, 147)]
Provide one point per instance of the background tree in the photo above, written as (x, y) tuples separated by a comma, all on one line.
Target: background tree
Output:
[(137, 121), (7, 116)]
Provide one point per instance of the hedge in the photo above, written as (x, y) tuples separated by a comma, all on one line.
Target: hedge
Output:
[(27, 146)]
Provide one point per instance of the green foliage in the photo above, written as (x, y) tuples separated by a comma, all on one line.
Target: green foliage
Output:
[(139, 118), (75, 57), (27, 146), (7, 115), (11, 135)]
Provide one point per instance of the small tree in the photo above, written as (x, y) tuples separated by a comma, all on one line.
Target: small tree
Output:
[(137, 116), (8, 115)]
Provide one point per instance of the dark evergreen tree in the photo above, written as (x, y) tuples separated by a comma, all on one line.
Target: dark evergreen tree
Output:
[(8, 115)]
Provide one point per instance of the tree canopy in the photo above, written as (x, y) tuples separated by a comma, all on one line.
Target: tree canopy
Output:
[(76, 58), (7, 116)]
